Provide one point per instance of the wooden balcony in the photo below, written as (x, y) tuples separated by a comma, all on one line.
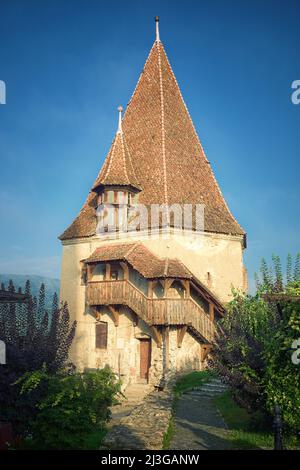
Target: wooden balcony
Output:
[(164, 311)]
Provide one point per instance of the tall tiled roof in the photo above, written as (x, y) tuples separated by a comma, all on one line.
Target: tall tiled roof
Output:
[(166, 153)]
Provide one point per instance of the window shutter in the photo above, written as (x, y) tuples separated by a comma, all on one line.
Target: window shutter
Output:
[(101, 335)]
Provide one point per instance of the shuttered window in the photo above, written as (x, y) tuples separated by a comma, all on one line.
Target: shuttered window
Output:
[(101, 335)]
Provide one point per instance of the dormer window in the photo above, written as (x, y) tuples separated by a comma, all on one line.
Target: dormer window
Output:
[(119, 198), (117, 187), (133, 199)]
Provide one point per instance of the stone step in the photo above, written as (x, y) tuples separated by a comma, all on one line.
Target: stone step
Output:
[(204, 394), (134, 393), (210, 389), (212, 386), (216, 380)]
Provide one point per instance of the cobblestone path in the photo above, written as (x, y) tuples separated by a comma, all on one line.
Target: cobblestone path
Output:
[(198, 424)]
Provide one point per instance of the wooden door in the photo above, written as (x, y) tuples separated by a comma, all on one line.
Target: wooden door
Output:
[(145, 358)]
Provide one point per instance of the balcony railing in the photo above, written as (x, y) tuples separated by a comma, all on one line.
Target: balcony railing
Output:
[(164, 311)]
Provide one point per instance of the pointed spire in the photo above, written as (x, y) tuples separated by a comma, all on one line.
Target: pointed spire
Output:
[(157, 28), (120, 109), (117, 169), (158, 143)]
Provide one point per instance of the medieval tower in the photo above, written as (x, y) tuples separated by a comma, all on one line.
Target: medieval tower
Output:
[(146, 299)]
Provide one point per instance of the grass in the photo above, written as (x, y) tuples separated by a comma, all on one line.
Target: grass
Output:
[(168, 435), (90, 441), (240, 435), (189, 381)]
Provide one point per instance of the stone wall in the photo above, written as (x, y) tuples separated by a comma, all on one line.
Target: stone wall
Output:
[(186, 358), (218, 255)]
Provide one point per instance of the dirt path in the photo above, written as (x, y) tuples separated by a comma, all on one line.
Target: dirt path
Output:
[(198, 424)]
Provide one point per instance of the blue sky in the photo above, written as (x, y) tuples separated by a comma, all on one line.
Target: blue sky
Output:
[(68, 65)]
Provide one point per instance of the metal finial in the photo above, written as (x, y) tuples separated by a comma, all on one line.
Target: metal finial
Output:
[(157, 28), (120, 109)]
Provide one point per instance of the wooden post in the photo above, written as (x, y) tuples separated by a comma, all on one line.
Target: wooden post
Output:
[(186, 285), (151, 285), (90, 270), (180, 335), (115, 314), (107, 271), (211, 311), (167, 344), (96, 313), (125, 270), (135, 318), (157, 336), (167, 285), (205, 348)]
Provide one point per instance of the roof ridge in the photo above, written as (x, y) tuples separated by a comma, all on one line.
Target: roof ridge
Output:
[(130, 161), (111, 156), (124, 157), (163, 130), (140, 77)]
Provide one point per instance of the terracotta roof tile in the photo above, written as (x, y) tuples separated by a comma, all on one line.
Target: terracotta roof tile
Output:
[(141, 259), (117, 168), (166, 155)]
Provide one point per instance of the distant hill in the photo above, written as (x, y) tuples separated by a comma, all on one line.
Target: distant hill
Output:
[(19, 280)]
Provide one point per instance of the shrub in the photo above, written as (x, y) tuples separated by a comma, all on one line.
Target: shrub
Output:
[(74, 406), (33, 337), (253, 347), (282, 377)]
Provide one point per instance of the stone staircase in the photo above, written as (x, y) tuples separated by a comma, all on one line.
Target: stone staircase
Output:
[(209, 389), (134, 394)]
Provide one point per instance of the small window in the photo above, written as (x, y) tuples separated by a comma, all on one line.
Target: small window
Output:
[(101, 335), (99, 200), (110, 197)]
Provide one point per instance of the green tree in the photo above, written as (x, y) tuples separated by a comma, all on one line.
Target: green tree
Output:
[(253, 347), (30, 343)]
